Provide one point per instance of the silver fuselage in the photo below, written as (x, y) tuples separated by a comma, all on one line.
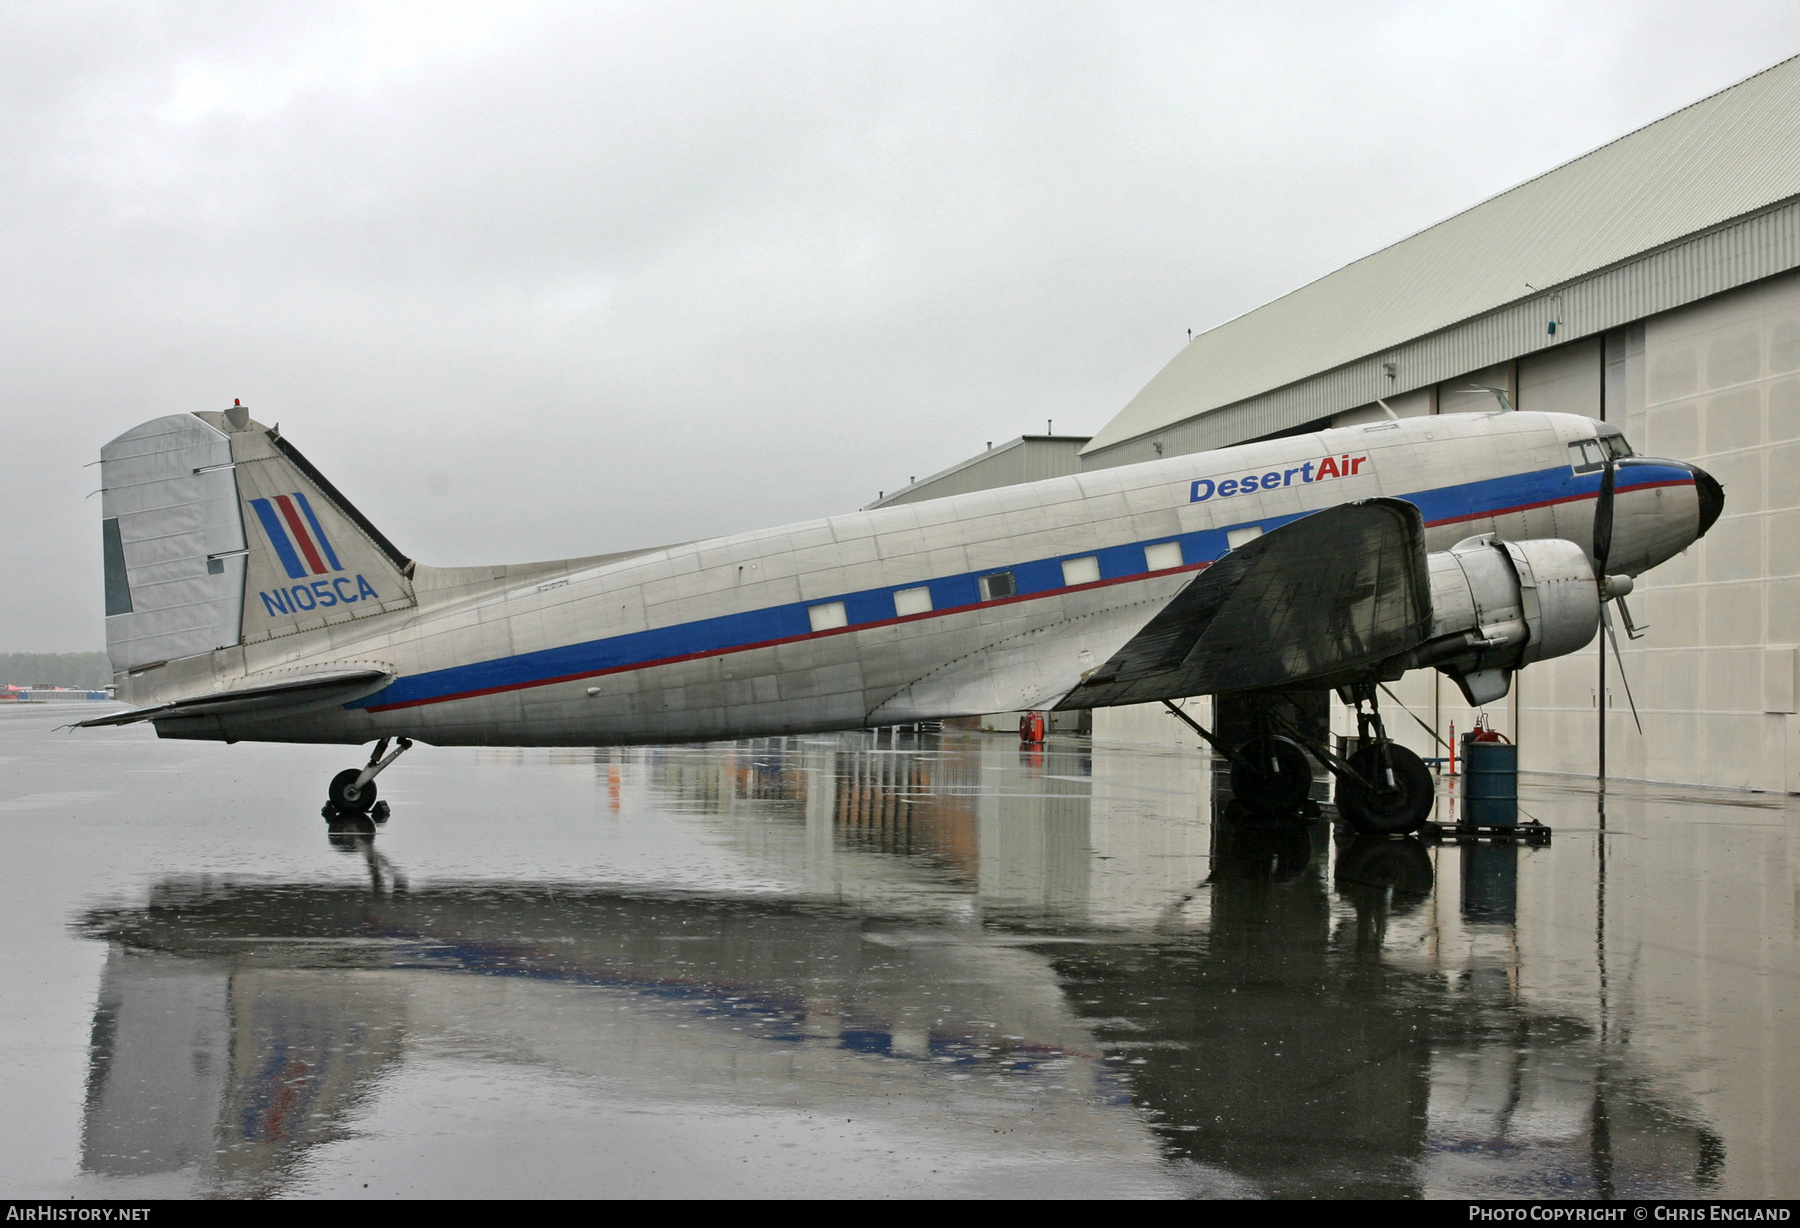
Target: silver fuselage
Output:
[(821, 625)]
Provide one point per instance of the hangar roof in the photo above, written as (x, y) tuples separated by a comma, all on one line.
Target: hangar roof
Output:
[(1732, 153)]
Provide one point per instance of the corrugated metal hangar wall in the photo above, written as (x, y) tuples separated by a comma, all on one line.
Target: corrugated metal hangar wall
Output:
[(1716, 382)]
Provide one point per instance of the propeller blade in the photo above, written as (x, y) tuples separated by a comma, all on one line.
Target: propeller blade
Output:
[(1618, 656), (1603, 520)]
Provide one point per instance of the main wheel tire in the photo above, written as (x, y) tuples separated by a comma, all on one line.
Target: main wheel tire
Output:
[(1379, 808), (347, 797), (1272, 775)]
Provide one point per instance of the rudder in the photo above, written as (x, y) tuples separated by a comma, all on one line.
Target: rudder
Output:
[(172, 542)]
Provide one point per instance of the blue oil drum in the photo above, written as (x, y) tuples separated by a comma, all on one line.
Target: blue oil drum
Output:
[(1490, 783)]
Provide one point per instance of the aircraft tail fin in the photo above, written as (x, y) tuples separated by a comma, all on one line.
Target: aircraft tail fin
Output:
[(218, 532)]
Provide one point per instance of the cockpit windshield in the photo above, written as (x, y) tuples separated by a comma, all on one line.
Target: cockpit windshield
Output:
[(1586, 455)]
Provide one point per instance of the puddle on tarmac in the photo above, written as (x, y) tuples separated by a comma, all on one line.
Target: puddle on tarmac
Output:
[(933, 965)]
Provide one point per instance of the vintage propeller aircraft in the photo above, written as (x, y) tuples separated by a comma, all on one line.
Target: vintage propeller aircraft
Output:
[(246, 599)]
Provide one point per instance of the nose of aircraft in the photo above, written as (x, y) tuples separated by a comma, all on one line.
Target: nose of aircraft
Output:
[(1712, 497)]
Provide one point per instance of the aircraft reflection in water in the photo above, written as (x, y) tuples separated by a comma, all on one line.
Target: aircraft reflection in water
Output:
[(1281, 1027)]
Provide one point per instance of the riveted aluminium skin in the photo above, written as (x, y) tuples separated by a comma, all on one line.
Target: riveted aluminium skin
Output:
[(713, 639)]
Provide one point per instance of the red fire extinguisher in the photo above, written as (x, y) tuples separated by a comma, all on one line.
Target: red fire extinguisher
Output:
[(1031, 727)]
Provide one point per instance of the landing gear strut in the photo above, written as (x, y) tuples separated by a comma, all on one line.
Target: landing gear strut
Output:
[(352, 791), (1269, 772), (1388, 790), (1383, 789)]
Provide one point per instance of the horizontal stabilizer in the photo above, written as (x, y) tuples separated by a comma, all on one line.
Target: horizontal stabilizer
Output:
[(285, 697)]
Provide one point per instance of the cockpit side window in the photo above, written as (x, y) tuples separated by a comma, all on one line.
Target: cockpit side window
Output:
[(1615, 444), (1585, 455)]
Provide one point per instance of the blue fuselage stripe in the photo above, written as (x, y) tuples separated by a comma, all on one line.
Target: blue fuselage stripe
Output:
[(1039, 577), (278, 537)]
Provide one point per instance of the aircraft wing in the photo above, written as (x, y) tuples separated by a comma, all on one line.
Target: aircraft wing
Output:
[(280, 697), (1312, 602)]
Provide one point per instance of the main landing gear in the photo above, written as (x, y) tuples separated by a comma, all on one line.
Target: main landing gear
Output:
[(352, 791), (1383, 788)]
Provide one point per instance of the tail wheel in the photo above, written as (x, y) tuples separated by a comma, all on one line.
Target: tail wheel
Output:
[(349, 799), (1272, 774), (1387, 807)]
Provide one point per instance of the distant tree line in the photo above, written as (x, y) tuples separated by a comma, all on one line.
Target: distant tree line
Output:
[(71, 669)]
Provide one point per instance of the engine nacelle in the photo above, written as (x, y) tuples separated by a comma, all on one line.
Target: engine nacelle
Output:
[(1499, 606)]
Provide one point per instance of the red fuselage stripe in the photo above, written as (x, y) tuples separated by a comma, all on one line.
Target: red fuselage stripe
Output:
[(290, 514), (909, 618), (1526, 507), (792, 639)]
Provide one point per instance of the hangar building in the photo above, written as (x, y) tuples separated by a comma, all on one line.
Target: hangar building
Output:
[(1654, 282)]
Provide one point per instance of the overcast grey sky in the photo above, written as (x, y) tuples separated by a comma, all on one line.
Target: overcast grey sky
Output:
[(533, 281)]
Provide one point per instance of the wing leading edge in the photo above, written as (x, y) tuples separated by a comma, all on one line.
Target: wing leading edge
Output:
[(1317, 601)]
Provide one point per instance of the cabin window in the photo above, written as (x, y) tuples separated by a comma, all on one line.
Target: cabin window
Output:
[(1235, 538), (912, 601), (997, 585), (1585, 455), (1162, 556), (828, 615), (1081, 571)]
